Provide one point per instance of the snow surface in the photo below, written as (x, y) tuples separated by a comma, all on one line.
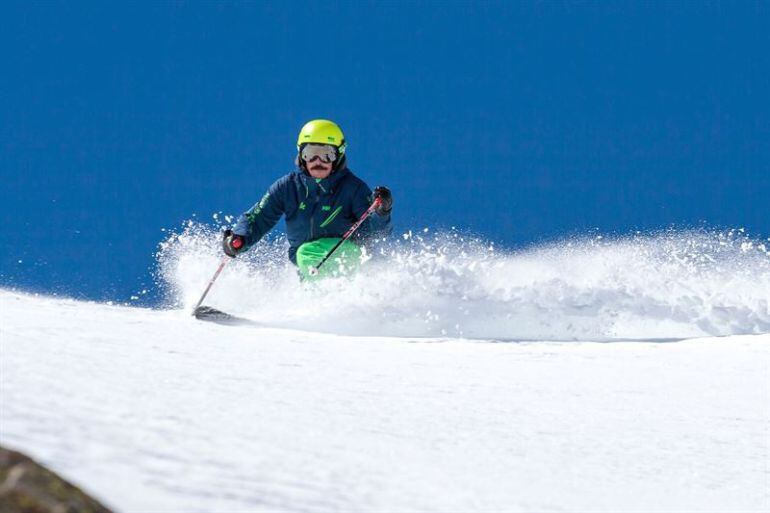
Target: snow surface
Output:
[(151, 410), (565, 376)]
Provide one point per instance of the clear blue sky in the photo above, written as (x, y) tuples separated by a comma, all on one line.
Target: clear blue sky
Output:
[(516, 120)]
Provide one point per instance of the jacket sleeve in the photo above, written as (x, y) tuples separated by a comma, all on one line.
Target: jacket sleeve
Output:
[(262, 217), (375, 225)]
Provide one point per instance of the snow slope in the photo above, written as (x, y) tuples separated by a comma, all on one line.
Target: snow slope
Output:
[(153, 411)]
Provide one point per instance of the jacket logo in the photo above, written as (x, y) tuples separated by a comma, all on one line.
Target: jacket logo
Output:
[(326, 208), (302, 205)]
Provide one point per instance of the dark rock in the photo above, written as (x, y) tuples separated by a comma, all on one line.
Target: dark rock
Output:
[(27, 487)]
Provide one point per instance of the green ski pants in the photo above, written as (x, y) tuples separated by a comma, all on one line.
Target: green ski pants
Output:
[(344, 262)]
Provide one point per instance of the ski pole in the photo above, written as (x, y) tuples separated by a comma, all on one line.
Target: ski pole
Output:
[(314, 270), (222, 265)]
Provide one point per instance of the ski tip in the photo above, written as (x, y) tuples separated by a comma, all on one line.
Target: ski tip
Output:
[(207, 313)]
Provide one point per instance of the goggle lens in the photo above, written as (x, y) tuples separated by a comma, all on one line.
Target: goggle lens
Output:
[(324, 152)]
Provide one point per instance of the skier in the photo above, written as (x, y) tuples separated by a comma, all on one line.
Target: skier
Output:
[(321, 200)]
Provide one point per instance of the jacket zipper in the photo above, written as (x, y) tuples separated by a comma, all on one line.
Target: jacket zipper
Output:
[(312, 215)]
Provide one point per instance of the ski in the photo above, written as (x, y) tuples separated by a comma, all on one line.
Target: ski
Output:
[(210, 314)]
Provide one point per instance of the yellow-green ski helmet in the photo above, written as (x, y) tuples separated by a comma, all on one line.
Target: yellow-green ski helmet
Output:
[(322, 131)]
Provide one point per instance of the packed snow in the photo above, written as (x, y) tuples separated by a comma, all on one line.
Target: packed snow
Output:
[(590, 375)]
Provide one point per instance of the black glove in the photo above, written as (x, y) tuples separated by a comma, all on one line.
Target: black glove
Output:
[(386, 200), (233, 244)]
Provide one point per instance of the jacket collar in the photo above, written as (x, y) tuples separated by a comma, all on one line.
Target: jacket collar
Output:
[(325, 185)]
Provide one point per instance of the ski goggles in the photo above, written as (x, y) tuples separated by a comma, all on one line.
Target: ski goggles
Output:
[(325, 152)]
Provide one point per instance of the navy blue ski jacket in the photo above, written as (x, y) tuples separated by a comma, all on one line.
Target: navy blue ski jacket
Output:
[(313, 209)]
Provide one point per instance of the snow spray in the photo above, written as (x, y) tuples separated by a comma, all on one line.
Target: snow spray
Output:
[(670, 284)]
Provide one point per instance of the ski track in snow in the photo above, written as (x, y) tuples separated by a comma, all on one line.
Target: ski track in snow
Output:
[(154, 411)]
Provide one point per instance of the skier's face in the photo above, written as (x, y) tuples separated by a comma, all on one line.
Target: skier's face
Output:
[(318, 168)]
